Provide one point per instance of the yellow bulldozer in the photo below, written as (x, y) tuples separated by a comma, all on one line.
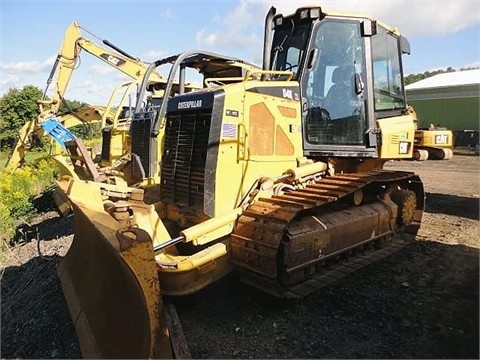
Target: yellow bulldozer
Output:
[(276, 172)]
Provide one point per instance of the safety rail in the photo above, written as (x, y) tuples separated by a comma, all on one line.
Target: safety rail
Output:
[(249, 76)]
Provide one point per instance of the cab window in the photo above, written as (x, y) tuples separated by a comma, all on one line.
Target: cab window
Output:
[(387, 73)]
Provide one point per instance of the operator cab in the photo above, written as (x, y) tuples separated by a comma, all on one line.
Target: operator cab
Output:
[(350, 74)]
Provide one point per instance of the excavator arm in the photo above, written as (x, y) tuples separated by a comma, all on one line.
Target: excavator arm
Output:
[(66, 62), (84, 114), (67, 59)]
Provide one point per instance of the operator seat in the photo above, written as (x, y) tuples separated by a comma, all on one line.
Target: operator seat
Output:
[(341, 99)]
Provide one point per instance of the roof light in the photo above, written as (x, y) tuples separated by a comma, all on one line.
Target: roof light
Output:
[(278, 20), (303, 13), (315, 13)]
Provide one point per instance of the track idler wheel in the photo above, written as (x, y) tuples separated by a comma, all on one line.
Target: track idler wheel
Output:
[(407, 205), (420, 155), (440, 154)]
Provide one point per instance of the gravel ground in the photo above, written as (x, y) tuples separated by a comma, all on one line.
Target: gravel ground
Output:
[(421, 302)]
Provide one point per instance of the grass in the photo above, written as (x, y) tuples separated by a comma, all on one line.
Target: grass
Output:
[(30, 157), (10, 185), (4, 253), (18, 189)]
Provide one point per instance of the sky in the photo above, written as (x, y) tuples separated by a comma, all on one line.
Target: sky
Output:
[(441, 33)]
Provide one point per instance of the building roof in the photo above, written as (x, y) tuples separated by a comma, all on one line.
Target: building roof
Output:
[(456, 78)]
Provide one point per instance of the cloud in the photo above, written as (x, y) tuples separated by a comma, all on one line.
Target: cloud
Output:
[(153, 55), (92, 92), (238, 30), (412, 18), (15, 75), (102, 69), (420, 18), (9, 82), (166, 14), (228, 39), (24, 67)]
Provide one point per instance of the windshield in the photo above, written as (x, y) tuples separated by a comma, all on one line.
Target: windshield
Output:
[(334, 84)]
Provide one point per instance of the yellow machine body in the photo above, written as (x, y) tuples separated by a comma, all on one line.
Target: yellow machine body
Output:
[(273, 172), (433, 143)]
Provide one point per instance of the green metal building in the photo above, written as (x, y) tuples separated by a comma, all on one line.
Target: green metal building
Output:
[(450, 100)]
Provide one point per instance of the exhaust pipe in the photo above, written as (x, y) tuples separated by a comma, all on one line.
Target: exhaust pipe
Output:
[(267, 41)]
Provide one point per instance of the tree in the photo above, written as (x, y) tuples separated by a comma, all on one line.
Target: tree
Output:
[(16, 108), (83, 131), (69, 105), (19, 106)]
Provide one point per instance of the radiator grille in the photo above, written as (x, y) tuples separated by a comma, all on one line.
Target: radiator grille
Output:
[(184, 157)]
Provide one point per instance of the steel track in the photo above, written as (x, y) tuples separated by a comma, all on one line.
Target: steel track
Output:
[(261, 228)]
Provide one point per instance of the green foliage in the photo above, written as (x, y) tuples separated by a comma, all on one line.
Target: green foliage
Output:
[(19, 106), (16, 108), (17, 191), (31, 157), (84, 131), (88, 131), (69, 105)]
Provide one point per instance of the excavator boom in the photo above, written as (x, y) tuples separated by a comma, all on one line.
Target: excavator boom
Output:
[(85, 114), (69, 54), (65, 64)]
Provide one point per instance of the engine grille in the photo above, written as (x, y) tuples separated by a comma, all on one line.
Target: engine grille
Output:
[(184, 157)]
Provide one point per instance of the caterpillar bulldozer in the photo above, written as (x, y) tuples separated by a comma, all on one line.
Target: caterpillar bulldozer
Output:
[(276, 172), (434, 142)]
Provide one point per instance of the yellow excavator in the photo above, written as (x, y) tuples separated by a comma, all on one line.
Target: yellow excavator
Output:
[(56, 124), (274, 172), (434, 142), (84, 114)]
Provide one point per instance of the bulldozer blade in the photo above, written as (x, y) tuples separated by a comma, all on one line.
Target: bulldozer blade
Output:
[(111, 286)]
